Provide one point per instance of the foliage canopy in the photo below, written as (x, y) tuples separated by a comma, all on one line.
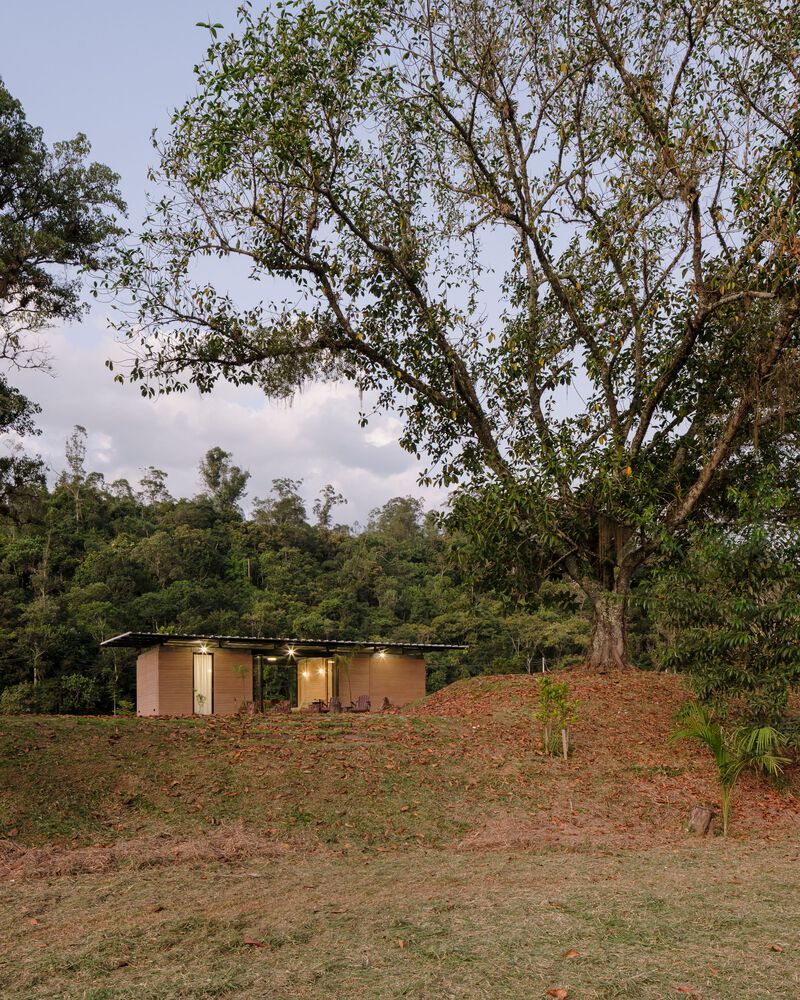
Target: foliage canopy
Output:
[(726, 606), (560, 239), (56, 211)]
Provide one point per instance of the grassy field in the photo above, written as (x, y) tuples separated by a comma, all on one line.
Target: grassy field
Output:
[(718, 921), (435, 854)]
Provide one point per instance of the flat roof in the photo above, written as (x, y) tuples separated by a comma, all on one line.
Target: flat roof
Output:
[(275, 644)]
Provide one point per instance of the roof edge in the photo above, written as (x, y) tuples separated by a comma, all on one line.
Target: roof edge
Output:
[(141, 640)]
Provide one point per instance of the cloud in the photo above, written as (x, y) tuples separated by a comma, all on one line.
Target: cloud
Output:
[(315, 437), (318, 437)]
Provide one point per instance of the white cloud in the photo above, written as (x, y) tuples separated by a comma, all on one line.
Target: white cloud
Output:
[(315, 437), (385, 434)]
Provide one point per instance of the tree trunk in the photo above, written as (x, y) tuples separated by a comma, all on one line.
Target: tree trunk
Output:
[(608, 644)]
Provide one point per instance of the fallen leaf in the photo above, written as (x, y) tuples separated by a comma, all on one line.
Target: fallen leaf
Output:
[(713, 970), (558, 993), (571, 953), (775, 947), (34, 921), (401, 943), (254, 943), (689, 991)]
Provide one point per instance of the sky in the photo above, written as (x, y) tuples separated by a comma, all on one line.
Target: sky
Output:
[(115, 70)]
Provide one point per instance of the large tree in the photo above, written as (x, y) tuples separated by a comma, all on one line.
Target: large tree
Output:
[(57, 215), (223, 482), (559, 237), (57, 218)]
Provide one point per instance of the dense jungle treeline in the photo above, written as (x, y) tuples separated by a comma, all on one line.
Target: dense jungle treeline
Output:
[(86, 559)]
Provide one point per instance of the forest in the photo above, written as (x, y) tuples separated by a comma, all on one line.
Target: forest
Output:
[(86, 559), (82, 559)]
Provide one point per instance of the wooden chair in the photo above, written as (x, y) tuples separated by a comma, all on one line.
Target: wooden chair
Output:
[(362, 705), (335, 704)]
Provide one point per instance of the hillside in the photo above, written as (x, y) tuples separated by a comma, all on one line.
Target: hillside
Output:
[(463, 769), (626, 784), (430, 854)]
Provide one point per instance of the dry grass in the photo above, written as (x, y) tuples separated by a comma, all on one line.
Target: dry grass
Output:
[(626, 784), (437, 855), (469, 756), (420, 924), (230, 843)]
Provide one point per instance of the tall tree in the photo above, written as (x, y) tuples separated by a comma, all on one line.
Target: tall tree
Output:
[(328, 498), (57, 213), (73, 478), (18, 472), (57, 216), (153, 486), (559, 238), (223, 481), (281, 517)]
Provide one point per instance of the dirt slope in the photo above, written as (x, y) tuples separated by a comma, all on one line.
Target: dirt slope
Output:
[(626, 783), (464, 769)]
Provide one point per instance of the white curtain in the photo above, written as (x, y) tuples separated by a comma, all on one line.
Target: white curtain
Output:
[(203, 680)]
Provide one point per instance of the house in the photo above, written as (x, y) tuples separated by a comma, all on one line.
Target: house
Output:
[(223, 674)]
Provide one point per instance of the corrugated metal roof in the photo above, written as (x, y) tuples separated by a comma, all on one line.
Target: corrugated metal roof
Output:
[(141, 640)]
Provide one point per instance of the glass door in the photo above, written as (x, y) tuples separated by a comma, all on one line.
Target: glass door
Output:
[(203, 683)]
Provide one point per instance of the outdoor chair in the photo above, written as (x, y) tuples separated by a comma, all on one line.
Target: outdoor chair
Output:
[(335, 704), (362, 705)]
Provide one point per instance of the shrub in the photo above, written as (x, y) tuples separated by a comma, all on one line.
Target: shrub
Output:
[(727, 609), (18, 699), (79, 694), (734, 750), (73, 694), (556, 712)]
